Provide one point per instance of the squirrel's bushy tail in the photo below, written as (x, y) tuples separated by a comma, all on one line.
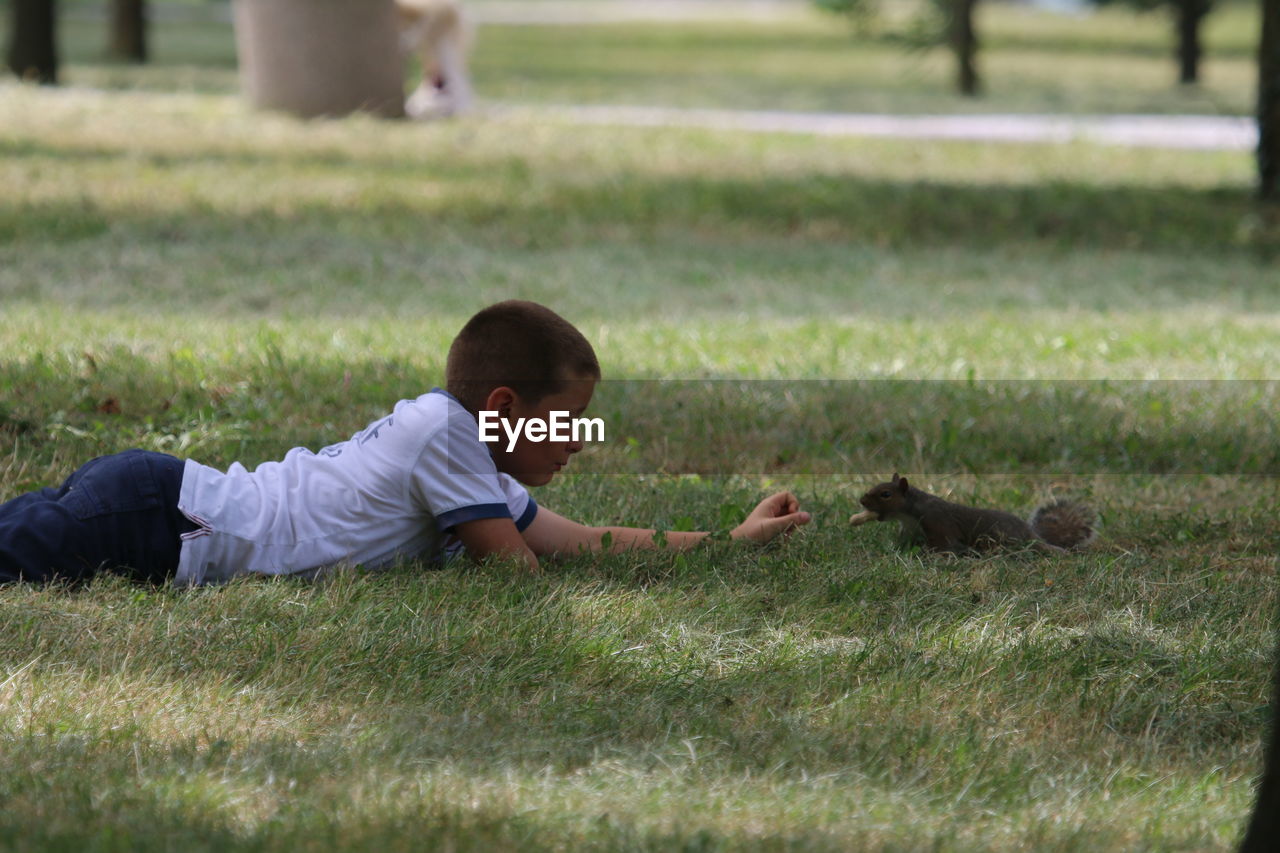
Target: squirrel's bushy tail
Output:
[(1065, 523)]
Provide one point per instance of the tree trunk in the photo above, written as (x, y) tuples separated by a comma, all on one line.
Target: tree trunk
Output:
[(1263, 833), (128, 31), (1269, 103), (33, 41), (1189, 14), (321, 57), (964, 43)]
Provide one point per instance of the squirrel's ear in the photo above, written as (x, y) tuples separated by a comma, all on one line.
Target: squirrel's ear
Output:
[(902, 485), (896, 478)]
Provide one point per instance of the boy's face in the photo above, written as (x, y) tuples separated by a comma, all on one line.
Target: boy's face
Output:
[(535, 463)]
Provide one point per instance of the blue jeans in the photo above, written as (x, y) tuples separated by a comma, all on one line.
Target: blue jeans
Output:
[(116, 513)]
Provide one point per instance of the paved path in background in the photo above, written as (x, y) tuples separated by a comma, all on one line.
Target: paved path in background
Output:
[(1220, 133)]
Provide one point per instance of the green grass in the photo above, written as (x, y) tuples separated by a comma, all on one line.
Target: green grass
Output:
[(786, 700), (179, 274), (1031, 62)]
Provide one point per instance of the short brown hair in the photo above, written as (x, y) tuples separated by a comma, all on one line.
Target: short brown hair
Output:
[(523, 345)]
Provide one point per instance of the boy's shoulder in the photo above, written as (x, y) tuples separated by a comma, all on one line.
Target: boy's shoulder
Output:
[(409, 428), (441, 413), (435, 424), (433, 411)]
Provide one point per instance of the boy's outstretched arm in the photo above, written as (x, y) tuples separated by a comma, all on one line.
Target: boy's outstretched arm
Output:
[(551, 533), (486, 537)]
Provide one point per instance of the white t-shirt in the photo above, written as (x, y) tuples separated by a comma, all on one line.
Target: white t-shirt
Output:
[(392, 491)]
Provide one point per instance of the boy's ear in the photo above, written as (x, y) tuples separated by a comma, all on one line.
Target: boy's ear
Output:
[(500, 400)]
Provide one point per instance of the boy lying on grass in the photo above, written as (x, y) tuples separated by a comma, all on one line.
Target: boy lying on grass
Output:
[(413, 484)]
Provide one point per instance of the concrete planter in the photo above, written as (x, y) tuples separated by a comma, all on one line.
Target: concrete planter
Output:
[(320, 57)]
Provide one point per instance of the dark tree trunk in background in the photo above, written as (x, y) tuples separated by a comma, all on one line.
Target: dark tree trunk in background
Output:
[(1263, 833), (964, 42), (128, 34), (1189, 14), (1269, 103), (33, 40)]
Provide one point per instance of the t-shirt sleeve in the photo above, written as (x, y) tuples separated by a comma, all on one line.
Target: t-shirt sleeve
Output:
[(519, 502), (456, 481)]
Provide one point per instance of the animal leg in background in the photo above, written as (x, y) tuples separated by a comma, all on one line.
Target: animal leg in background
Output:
[(438, 33)]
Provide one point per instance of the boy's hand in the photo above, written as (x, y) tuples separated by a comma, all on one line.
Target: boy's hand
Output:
[(778, 513)]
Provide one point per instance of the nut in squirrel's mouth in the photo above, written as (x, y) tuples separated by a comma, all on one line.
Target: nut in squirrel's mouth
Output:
[(863, 517)]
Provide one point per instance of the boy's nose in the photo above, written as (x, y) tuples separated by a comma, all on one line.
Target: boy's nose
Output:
[(575, 446)]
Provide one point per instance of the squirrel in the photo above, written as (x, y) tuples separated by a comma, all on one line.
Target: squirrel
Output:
[(1057, 527)]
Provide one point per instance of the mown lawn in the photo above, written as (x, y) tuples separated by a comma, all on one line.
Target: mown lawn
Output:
[(1001, 322)]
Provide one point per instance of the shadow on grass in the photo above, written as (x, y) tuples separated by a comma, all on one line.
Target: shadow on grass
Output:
[(466, 678), (274, 796), (870, 428), (149, 820), (567, 209), (1094, 46), (263, 405)]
